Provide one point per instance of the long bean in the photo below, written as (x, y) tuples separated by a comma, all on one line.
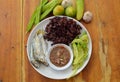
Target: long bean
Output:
[(31, 22), (39, 11), (47, 6), (38, 14), (80, 51), (48, 10), (35, 18)]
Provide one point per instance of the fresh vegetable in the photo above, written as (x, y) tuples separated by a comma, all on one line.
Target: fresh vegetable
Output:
[(80, 9), (70, 11), (34, 19), (38, 13), (66, 3), (48, 5), (41, 12), (31, 22), (80, 51), (58, 10), (87, 17), (49, 10)]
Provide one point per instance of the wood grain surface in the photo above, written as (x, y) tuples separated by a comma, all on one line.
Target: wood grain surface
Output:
[(104, 65)]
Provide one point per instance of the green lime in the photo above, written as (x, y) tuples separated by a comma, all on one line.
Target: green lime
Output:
[(58, 10), (70, 11)]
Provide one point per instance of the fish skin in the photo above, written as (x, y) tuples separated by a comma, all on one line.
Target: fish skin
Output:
[(38, 50), (33, 61)]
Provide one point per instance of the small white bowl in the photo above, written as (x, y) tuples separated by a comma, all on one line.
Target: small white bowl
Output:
[(63, 67)]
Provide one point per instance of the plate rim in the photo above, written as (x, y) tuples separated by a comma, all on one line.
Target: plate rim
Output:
[(89, 53)]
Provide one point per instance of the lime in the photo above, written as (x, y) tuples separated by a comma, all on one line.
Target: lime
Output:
[(70, 11), (58, 10)]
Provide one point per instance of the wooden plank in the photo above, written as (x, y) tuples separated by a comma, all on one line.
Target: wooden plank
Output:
[(104, 65), (29, 74), (10, 40), (105, 29), (108, 24), (92, 72)]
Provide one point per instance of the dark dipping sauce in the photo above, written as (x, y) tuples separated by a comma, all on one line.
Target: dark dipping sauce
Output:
[(59, 56)]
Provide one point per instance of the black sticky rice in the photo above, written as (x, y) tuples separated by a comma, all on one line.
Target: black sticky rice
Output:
[(61, 30)]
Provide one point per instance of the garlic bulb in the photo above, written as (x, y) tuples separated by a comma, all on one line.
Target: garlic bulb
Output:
[(87, 17), (66, 3)]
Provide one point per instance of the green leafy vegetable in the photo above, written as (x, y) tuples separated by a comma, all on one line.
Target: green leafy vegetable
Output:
[(80, 51)]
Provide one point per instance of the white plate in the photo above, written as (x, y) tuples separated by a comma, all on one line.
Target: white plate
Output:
[(47, 71)]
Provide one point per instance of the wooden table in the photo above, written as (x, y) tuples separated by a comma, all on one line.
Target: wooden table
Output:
[(104, 65)]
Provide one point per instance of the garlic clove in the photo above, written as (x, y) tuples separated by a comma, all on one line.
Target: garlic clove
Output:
[(87, 17), (66, 3)]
